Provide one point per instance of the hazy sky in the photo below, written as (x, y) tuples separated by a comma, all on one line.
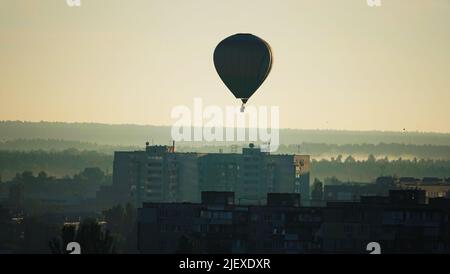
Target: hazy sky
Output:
[(337, 64)]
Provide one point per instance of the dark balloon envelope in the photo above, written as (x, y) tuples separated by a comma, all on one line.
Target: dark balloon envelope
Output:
[(243, 62)]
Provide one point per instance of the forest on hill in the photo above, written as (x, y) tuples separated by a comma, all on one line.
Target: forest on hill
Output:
[(70, 162), (137, 135)]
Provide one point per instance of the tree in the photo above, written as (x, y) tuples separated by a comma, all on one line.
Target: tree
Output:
[(371, 158), (16, 194), (42, 177), (130, 217), (114, 218), (120, 219), (93, 175), (36, 234), (90, 235), (317, 190), (349, 159), (68, 234)]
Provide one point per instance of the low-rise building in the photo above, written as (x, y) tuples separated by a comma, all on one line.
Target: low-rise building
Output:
[(402, 222)]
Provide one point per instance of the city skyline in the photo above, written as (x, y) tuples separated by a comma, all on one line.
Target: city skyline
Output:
[(336, 65)]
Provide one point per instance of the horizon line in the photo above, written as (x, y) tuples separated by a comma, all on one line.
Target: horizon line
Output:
[(160, 125)]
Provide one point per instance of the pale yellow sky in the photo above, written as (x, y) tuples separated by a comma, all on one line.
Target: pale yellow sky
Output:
[(338, 64)]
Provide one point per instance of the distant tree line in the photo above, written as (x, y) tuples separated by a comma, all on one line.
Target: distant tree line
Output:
[(349, 169), (323, 150), (54, 145), (70, 162), (62, 163), (37, 192), (136, 135), (380, 150)]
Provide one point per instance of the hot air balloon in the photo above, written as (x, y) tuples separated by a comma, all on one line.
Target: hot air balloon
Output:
[(243, 61)]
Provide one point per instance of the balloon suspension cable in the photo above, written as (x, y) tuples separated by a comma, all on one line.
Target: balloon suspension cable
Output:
[(243, 107)]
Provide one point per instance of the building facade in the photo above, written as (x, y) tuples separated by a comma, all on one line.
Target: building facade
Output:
[(160, 174), (402, 222), (218, 225)]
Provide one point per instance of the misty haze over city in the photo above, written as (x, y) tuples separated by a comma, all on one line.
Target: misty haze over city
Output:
[(224, 135)]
